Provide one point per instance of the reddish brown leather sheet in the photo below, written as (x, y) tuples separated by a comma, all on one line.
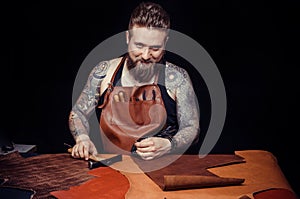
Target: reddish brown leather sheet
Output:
[(190, 171), (108, 184)]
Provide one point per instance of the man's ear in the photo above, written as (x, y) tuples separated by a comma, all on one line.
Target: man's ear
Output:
[(127, 37)]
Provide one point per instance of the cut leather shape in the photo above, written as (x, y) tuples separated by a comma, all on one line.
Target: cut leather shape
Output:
[(275, 193), (190, 171), (108, 184), (43, 173)]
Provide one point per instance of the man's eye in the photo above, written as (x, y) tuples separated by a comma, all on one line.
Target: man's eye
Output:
[(139, 45), (155, 49)]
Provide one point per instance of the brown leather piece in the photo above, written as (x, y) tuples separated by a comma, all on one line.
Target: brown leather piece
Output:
[(109, 184), (190, 171)]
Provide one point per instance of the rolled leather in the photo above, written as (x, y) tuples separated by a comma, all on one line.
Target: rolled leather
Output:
[(175, 182)]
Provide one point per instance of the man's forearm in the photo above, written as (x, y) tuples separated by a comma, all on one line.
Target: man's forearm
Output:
[(185, 137), (78, 125), (188, 120)]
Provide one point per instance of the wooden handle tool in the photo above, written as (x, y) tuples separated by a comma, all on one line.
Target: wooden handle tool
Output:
[(96, 161)]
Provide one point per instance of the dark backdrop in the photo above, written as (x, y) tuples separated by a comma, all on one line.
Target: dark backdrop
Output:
[(254, 44)]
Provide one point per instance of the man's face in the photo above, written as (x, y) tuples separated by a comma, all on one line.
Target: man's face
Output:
[(145, 47)]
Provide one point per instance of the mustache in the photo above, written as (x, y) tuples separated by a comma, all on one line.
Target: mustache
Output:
[(131, 64), (145, 61)]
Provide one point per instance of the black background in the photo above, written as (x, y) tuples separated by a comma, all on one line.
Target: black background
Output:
[(254, 44)]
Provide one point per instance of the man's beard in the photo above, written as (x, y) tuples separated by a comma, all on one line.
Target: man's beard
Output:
[(142, 71)]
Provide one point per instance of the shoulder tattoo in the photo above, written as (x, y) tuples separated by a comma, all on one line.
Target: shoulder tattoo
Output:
[(175, 76), (92, 87)]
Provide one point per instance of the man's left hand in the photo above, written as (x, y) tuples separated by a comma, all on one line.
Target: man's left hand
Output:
[(152, 147)]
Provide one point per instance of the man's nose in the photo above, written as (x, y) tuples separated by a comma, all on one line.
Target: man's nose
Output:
[(146, 54)]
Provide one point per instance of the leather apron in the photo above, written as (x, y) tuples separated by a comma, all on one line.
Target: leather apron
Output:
[(129, 114)]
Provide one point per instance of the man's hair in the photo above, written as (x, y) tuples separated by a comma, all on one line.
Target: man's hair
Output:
[(150, 15)]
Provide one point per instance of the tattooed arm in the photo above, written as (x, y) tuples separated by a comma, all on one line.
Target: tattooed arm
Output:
[(83, 109), (179, 86)]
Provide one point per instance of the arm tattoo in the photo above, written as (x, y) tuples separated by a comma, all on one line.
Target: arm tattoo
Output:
[(178, 82), (87, 101)]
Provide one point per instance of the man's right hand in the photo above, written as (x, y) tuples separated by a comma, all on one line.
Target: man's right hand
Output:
[(83, 148)]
